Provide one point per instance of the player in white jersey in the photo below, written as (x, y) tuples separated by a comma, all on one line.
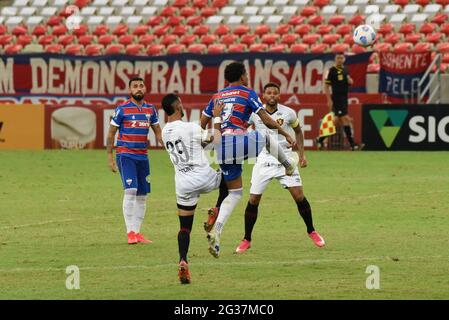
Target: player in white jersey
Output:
[(184, 142), (268, 167)]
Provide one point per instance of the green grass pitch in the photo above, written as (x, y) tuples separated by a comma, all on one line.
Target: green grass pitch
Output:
[(389, 209)]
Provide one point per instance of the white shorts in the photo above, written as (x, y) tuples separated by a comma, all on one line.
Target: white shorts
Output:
[(191, 185), (263, 173)]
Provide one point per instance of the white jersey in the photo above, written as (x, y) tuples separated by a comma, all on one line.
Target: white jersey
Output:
[(287, 119)]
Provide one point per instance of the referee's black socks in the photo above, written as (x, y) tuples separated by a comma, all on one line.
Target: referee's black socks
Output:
[(250, 219), (306, 213), (186, 223)]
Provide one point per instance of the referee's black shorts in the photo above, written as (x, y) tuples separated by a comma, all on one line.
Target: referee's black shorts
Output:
[(340, 105)]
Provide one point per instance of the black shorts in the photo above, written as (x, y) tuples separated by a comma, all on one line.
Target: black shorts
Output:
[(340, 105)]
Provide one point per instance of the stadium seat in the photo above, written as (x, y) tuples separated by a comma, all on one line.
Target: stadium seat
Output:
[(180, 30), (373, 68), (155, 50), (237, 47), (434, 38), (419, 18), (174, 21), (270, 38), (13, 49), (39, 30), (386, 28), (336, 20), (216, 48), (357, 20), (316, 20), (331, 38), (161, 30), (445, 58), (357, 49), (319, 48), (347, 38), (221, 30), (258, 47), (59, 30), (406, 28), (208, 39), (74, 49), (234, 21), (188, 39), (262, 29), (54, 48), (82, 30), (229, 39), (146, 39), (134, 49), (445, 29), (403, 47), (324, 29), (200, 3), (308, 11), (168, 39), (85, 40), (296, 20), (24, 39), (208, 12), (3, 29), (19, 30), (241, 30), (248, 39), (340, 48), (201, 30), (283, 29), (197, 48), (93, 50), (429, 27), (422, 47), (140, 30), (382, 47), (320, 3), (155, 21), (433, 8), (440, 18), (413, 37), (106, 39), (289, 38), (299, 48), (126, 39), (303, 29), (46, 39), (310, 38), (344, 29), (176, 49), (194, 20), (100, 30), (66, 39), (214, 21), (443, 47), (278, 48), (422, 2), (392, 38), (169, 12)]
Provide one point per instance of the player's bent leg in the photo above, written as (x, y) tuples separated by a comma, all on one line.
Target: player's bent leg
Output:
[(212, 213), (185, 214), (276, 151)]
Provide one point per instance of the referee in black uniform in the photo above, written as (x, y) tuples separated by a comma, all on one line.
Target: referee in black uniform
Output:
[(338, 78)]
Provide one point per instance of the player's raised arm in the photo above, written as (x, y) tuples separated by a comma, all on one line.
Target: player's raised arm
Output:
[(273, 125), (110, 145)]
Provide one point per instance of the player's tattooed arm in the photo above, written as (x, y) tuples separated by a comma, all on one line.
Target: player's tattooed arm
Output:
[(110, 145), (158, 133), (300, 146), (273, 125)]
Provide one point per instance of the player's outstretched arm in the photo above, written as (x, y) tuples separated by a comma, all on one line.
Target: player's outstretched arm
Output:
[(273, 125), (110, 145), (204, 121), (158, 133)]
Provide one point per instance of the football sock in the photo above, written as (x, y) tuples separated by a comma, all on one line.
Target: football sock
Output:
[(250, 219), (140, 208), (226, 209), (222, 193), (184, 236), (306, 213), (321, 139), (348, 133), (276, 151), (129, 201)]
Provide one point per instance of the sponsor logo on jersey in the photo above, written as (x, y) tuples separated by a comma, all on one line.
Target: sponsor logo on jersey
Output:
[(280, 121), (139, 124), (129, 181)]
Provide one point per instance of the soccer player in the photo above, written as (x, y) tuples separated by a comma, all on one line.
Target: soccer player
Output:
[(339, 80), (267, 168), (133, 120), (184, 142), (236, 144)]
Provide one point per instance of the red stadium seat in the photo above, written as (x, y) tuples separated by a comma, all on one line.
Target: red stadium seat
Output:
[(188, 39), (169, 12), (53, 48), (168, 39), (216, 48), (299, 48), (201, 30), (208, 39), (434, 37), (422, 2), (140, 30), (442, 2), (402, 2), (176, 49), (13, 49), (344, 29), (296, 20), (262, 29), (161, 30), (289, 38), (270, 38), (413, 37), (386, 28), (126, 39), (39, 30), (324, 29), (236, 48), (194, 21), (208, 12), (73, 49), (155, 21), (147, 39), (319, 48), (85, 40), (445, 29), (440, 18), (229, 39), (422, 47), (82, 30), (258, 47), (241, 30), (93, 50), (303, 29), (336, 20), (114, 49), (278, 48), (54, 21), (357, 20), (106, 39), (331, 38), (134, 49), (3, 29), (81, 3), (187, 12), (445, 58), (283, 29), (174, 21), (219, 3), (392, 38), (120, 29), (180, 3), (310, 38), (197, 48), (66, 39), (373, 68), (315, 20), (180, 30), (443, 47), (46, 39), (100, 30), (155, 50), (348, 39), (406, 28), (383, 47), (19, 30), (428, 27), (60, 30), (340, 48), (320, 3), (403, 47), (222, 30), (248, 39), (308, 11), (200, 3), (24, 39), (357, 49)]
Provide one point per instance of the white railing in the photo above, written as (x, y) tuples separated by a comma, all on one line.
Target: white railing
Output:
[(436, 93)]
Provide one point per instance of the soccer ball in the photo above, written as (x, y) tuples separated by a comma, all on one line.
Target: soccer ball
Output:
[(364, 35)]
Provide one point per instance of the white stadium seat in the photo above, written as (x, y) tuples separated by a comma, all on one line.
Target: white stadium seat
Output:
[(360, 2), (349, 11), (148, 11), (397, 18), (119, 3), (20, 3), (134, 21), (105, 11), (259, 3), (33, 48), (128, 11), (340, 3), (254, 21), (279, 3), (93, 21), (233, 21), (267, 11), (39, 3), (391, 9), (381, 3), (2, 19), (139, 3), (100, 3), (9, 11), (329, 10), (300, 3), (411, 9), (49, 11), (160, 3), (60, 3), (419, 18), (432, 8), (228, 11), (88, 11), (371, 9), (11, 22), (239, 3), (446, 9), (34, 21), (214, 21), (274, 21), (113, 21), (250, 11), (288, 11), (27, 11)]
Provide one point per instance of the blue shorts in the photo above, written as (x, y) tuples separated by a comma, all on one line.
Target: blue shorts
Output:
[(135, 174), (234, 149)]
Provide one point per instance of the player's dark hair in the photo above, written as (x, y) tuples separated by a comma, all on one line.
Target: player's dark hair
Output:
[(234, 71), (271, 85), (167, 103), (135, 79)]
